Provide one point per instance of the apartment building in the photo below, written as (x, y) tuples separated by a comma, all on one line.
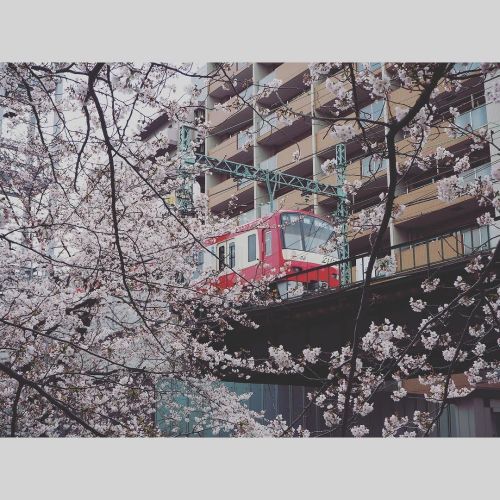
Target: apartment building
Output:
[(169, 130), (299, 147)]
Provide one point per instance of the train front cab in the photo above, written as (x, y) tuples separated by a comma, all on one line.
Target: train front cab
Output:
[(301, 236)]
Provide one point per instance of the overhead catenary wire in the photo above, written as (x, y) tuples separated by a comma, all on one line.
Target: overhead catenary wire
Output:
[(462, 99), (220, 191)]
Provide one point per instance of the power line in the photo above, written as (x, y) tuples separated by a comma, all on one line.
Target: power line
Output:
[(464, 99), (328, 149)]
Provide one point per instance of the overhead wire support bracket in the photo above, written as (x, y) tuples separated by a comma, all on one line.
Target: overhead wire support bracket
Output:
[(268, 177), (273, 179)]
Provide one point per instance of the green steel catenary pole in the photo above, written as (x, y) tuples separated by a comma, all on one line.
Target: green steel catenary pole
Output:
[(273, 179)]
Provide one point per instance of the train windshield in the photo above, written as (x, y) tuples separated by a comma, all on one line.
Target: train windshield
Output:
[(304, 232)]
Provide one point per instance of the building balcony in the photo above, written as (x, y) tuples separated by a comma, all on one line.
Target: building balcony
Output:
[(275, 131), (423, 205), (285, 160), (324, 99), (448, 246), (290, 73), (237, 114), (241, 72), (420, 201), (293, 200), (373, 175), (301, 104), (233, 149), (292, 78), (220, 195), (425, 252), (425, 211), (326, 142), (401, 98)]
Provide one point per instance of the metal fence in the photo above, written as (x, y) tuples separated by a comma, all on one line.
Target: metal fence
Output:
[(400, 258)]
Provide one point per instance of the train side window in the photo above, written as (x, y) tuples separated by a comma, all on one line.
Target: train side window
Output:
[(268, 249), (222, 257), (252, 247), (232, 255)]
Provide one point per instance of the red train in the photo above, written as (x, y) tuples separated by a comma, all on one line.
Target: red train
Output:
[(286, 240)]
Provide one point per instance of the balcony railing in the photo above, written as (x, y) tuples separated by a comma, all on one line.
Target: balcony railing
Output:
[(268, 78), (445, 247), (468, 177), (244, 138), (473, 119), (269, 164), (267, 124), (235, 106)]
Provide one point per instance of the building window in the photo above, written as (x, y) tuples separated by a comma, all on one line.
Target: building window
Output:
[(199, 261), (370, 165), (370, 66), (244, 139), (269, 164), (252, 247), (474, 118), (462, 67), (232, 255), (222, 257), (374, 111), (476, 239), (476, 173), (268, 243)]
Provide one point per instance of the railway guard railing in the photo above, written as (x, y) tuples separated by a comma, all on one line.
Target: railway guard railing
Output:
[(399, 258)]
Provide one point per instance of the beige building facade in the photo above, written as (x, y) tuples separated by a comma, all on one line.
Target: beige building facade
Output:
[(272, 139)]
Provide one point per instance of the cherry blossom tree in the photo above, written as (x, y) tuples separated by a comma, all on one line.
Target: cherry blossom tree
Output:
[(99, 306), (97, 299)]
